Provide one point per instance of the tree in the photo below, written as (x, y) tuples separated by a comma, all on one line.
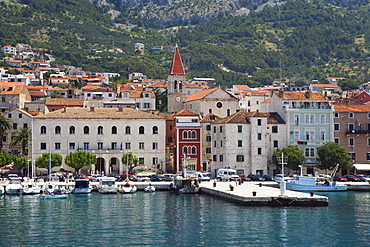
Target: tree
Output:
[(20, 162), (330, 154), (43, 161), (131, 160), (55, 94), (21, 138), (80, 159), (5, 159), (4, 126), (293, 153)]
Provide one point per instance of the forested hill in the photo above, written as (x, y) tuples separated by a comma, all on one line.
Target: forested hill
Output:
[(298, 40)]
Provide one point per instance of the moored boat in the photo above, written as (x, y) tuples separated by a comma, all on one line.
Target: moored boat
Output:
[(53, 196), (14, 187), (31, 189), (307, 184), (127, 188), (82, 186), (107, 185), (149, 189)]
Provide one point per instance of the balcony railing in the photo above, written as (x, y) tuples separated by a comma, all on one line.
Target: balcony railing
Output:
[(357, 132)]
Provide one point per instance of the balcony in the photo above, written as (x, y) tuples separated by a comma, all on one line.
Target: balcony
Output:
[(357, 132)]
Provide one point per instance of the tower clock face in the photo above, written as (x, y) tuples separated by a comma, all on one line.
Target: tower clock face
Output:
[(219, 104), (177, 98)]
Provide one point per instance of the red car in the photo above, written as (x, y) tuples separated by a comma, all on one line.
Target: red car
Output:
[(130, 177), (351, 178), (340, 179), (245, 178)]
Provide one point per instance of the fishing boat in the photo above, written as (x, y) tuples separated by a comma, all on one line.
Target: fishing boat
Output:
[(303, 183), (82, 186), (107, 185), (149, 189), (187, 185), (14, 187), (127, 188), (31, 189)]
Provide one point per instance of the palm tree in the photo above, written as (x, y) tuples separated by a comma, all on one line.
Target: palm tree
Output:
[(55, 94), (21, 138), (4, 126)]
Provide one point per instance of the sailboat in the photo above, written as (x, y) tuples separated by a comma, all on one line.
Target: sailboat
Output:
[(128, 187)]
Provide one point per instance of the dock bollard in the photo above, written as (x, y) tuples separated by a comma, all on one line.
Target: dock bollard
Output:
[(214, 183), (312, 193), (231, 187), (254, 193), (260, 184)]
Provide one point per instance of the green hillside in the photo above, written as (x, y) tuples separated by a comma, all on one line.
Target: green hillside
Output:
[(297, 41)]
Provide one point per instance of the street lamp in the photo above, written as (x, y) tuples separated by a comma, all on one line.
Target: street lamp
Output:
[(282, 161)]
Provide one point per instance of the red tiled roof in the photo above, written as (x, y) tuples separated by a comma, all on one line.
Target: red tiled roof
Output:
[(176, 64), (200, 94), (326, 85), (186, 112), (352, 108), (242, 87)]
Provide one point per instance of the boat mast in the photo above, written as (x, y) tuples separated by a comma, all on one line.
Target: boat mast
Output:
[(49, 159)]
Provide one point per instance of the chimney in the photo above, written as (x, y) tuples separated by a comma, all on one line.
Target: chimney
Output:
[(64, 109), (281, 93), (92, 109)]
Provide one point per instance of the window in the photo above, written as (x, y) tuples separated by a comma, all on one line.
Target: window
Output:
[(259, 122), (368, 141), (57, 146), (9, 115), (336, 127), (113, 145), (20, 115), (128, 130), (219, 105), (100, 145), (336, 114), (72, 130), (259, 136), (193, 150), (310, 135), (351, 141), (353, 156), (114, 130), (42, 146), (57, 130), (141, 130), (146, 105), (296, 119), (368, 115), (322, 135), (312, 118), (86, 130), (184, 150), (276, 144), (86, 146), (193, 135), (214, 144), (240, 129), (3, 99), (155, 145), (336, 140), (208, 138), (368, 156), (155, 130), (322, 118), (141, 160), (127, 145), (138, 105), (312, 152), (43, 130), (240, 143), (240, 158), (220, 129), (351, 115), (221, 143), (214, 129), (15, 126), (214, 157), (259, 151), (307, 118), (351, 126), (208, 150), (296, 135), (141, 145), (307, 152), (208, 127), (100, 130), (221, 158), (169, 139), (72, 146), (185, 134), (25, 125), (154, 160), (274, 129)]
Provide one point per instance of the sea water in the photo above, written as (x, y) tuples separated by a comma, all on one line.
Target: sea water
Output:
[(166, 219)]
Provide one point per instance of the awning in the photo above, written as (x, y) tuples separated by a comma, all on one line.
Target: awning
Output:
[(362, 167)]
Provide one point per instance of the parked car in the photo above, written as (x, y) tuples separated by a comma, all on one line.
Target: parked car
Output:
[(143, 176), (280, 177), (129, 176), (245, 178), (363, 178), (168, 176), (351, 178), (255, 177), (267, 177), (339, 178), (156, 177)]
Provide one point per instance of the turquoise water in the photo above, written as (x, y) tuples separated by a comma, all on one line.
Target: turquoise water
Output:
[(165, 219)]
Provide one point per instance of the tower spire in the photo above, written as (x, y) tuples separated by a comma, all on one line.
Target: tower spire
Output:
[(176, 64)]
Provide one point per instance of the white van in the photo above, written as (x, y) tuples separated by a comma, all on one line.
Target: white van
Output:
[(202, 176), (227, 174), (144, 176)]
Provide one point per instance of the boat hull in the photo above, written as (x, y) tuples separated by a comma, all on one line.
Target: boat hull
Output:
[(315, 188), (31, 191), (53, 197)]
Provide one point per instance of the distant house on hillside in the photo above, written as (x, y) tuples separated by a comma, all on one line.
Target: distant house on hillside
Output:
[(8, 49)]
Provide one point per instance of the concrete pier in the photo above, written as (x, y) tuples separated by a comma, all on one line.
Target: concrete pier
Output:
[(256, 194)]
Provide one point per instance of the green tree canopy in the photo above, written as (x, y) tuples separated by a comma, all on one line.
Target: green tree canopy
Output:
[(21, 138), (5, 159), (293, 153), (4, 126), (131, 161), (330, 154), (20, 162), (80, 159), (43, 161)]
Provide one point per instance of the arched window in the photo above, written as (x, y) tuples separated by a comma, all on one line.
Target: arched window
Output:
[(193, 150), (184, 150), (141, 130), (114, 130), (100, 130), (210, 110), (86, 130), (43, 130), (180, 85), (193, 135), (72, 130), (228, 112), (57, 130), (185, 134), (155, 130), (175, 85), (128, 130)]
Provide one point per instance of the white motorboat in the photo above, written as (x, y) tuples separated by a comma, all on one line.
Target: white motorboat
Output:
[(14, 187), (31, 189), (53, 196), (2, 190), (303, 183), (149, 188), (127, 188), (82, 186), (107, 185)]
